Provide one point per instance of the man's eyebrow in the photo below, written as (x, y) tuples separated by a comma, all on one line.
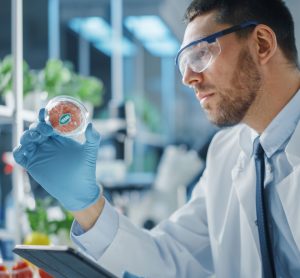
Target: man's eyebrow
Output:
[(203, 36), (207, 34), (193, 40)]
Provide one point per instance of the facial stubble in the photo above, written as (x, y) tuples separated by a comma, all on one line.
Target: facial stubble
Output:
[(234, 103)]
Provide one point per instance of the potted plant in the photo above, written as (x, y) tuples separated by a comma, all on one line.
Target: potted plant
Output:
[(59, 78), (6, 74), (56, 78), (45, 230)]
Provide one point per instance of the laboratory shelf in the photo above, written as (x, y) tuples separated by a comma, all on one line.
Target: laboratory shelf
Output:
[(6, 114)]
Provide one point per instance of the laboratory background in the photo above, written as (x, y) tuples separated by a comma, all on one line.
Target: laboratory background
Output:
[(117, 58)]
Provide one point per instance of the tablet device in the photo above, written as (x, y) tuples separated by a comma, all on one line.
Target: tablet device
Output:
[(62, 261)]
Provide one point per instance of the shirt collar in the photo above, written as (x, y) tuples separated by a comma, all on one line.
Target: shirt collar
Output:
[(277, 132), (246, 139)]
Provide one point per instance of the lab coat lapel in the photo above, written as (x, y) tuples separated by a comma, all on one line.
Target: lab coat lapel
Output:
[(243, 177), (289, 189), (293, 148)]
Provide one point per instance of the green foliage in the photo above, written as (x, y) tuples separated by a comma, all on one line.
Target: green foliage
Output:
[(38, 219), (6, 73), (57, 78), (54, 77)]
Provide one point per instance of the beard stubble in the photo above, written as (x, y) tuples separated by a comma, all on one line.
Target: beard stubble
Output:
[(234, 102)]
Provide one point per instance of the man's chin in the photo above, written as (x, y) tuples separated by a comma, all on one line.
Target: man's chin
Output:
[(221, 122)]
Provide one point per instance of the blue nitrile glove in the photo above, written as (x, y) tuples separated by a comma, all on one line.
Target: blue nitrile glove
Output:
[(64, 167), (129, 275)]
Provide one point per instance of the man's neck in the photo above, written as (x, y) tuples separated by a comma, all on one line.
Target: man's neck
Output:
[(277, 91)]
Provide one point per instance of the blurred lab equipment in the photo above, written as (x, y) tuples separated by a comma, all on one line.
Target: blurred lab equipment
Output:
[(177, 168), (116, 148)]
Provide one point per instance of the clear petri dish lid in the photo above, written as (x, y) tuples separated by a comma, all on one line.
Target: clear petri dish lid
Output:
[(66, 115)]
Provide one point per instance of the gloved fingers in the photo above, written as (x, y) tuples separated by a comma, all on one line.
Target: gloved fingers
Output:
[(26, 151), (33, 125), (30, 149), (126, 274), (30, 136), (42, 115), (44, 129), (92, 136), (38, 131), (38, 134), (41, 118), (66, 142), (20, 156)]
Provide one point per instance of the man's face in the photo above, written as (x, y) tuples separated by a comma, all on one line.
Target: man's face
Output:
[(229, 86)]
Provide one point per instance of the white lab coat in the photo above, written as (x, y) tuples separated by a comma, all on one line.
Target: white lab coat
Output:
[(215, 233)]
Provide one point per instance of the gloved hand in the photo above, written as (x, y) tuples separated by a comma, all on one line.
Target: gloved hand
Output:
[(129, 275), (64, 167)]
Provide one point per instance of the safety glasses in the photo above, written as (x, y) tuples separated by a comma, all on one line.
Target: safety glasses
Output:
[(200, 54)]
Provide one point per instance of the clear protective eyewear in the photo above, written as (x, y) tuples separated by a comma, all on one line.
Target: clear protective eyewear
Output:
[(200, 54)]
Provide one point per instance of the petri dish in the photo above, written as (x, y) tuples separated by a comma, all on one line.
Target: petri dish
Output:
[(66, 115)]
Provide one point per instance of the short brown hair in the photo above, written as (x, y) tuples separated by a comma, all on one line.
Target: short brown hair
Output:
[(273, 13)]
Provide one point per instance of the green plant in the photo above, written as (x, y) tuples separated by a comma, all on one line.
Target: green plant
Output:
[(55, 77), (6, 74), (58, 78), (39, 222)]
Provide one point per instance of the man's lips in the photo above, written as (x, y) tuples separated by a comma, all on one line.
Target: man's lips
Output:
[(203, 96)]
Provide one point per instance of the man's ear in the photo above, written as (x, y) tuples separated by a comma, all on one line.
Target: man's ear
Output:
[(265, 43)]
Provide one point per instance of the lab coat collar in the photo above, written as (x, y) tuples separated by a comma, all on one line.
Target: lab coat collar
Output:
[(276, 134), (293, 148), (282, 127), (247, 137), (289, 190)]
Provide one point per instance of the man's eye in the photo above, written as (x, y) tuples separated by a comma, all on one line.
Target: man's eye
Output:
[(201, 53)]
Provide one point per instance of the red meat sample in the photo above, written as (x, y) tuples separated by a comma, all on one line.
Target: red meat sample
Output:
[(65, 117)]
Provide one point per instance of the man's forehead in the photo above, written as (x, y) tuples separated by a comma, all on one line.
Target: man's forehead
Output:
[(202, 26)]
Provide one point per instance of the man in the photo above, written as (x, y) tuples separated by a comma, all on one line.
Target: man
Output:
[(240, 58)]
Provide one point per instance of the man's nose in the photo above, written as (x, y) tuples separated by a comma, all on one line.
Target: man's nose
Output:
[(190, 77)]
